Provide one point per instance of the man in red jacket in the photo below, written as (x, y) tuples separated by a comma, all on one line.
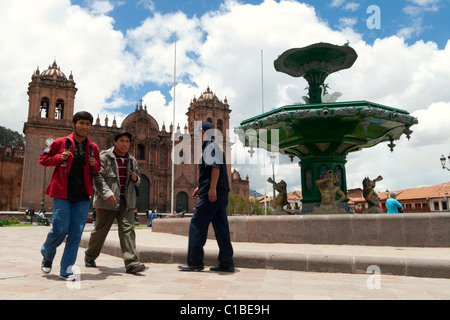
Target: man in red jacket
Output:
[(76, 159)]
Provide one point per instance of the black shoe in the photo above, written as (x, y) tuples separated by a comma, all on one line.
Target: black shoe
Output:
[(187, 267), (46, 266), (136, 268), (222, 269), (90, 263)]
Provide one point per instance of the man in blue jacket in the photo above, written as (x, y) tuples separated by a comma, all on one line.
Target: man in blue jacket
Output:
[(211, 207)]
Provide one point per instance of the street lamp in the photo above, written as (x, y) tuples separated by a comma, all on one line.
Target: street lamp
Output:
[(272, 160), (443, 162), (446, 201), (48, 142)]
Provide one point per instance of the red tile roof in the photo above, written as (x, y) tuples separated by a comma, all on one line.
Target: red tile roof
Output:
[(436, 191)]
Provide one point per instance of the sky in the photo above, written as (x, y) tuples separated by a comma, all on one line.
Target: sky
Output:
[(122, 51)]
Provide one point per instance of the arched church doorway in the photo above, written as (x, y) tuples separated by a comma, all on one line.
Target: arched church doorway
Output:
[(143, 201), (182, 201)]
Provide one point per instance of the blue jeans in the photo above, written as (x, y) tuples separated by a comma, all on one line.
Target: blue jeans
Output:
[(207, 212), (69, 219)]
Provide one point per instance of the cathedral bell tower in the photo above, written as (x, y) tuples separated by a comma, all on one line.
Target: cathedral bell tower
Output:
[(209, 108), (51, 99)]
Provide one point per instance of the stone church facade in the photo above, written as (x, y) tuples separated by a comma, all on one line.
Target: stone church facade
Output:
[(11, 167), (50, 111)]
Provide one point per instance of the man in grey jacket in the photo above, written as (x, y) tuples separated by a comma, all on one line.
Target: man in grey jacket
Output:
[(115, 197)]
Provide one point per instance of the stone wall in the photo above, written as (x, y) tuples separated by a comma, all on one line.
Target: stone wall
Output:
[(402, 230)]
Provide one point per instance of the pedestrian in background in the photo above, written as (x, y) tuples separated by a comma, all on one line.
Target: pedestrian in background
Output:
[(392, 204)]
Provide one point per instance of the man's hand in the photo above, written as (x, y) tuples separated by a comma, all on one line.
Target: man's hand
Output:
[(212, 196), (92, 161), (65, 155), (111, 199), (195, 193), (133, 176)]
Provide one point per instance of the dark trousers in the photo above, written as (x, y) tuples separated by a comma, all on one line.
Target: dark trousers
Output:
[(127, 235), (207, 212)]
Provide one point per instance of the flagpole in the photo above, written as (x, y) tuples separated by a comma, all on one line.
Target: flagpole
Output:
[(173, 126)]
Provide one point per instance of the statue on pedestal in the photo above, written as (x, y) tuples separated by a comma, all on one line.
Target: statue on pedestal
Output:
[(281, 199), (328, 190), (370, 195)]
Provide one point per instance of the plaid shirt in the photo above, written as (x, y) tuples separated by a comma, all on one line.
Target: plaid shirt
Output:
[(122, 162)]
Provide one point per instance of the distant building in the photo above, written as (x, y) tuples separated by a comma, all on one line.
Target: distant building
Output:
[(426, 199), (11, 168), (294, 199), (240, 186)]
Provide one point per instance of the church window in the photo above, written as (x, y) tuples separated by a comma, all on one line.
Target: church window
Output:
[(140, 152), (181, 157), (43, 112), (59, 110)]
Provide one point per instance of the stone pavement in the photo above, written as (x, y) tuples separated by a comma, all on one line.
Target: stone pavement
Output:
[(21, 278)]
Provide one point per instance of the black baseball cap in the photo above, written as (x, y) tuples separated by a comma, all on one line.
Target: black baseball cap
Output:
[(206, 125), (122, 133)]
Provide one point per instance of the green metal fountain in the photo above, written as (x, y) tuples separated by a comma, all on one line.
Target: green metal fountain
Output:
[(322, 132)]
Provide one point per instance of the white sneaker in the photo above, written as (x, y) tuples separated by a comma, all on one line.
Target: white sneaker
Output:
[(70, 277)]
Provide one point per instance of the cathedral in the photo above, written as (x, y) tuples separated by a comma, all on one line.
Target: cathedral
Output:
[(50, 111)]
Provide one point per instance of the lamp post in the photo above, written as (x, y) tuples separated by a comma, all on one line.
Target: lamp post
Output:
[(443, 162), (48, 142), (446, 201), (272, 160)]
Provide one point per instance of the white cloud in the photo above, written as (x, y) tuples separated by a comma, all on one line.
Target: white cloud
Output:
[(336, 3), (346, 22), (417, 12), (351, 6), (80, 42), (424, 2), (348, 6), (100, 7), (148, 4)]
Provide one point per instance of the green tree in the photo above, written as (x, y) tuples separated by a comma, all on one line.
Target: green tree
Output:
[(232, 199), (239, 205), (10, 137)]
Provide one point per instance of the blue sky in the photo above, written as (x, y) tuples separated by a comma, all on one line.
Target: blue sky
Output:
[(426, 17), (416, 20), (121, 51)]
